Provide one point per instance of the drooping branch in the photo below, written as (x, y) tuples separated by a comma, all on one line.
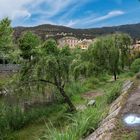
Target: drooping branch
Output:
[(36, 81)]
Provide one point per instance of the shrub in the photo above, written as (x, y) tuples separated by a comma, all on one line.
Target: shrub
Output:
[(92, 82), (113, 93), (135, 66), (75, 88)]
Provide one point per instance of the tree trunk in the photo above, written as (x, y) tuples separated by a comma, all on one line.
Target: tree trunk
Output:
[(67, 99), (115, 76)]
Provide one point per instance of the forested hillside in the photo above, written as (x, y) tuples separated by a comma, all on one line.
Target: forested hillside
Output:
[(55, 31)]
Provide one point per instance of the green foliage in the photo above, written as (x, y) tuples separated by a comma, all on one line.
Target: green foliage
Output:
[(135, 66), (113, 93), (27, 44), (104, 55), (13, 118), (82, 123), (6, 38), (123, 42), (50, 47)]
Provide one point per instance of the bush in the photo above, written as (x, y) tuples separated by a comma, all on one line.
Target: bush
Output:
[(92, 83), (135, 66), (113, 93), (75, 88)]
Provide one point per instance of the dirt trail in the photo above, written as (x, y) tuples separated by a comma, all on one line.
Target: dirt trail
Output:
[(132, 106), (133, 102)]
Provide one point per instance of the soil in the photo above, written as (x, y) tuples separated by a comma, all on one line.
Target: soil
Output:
[(91, 95)]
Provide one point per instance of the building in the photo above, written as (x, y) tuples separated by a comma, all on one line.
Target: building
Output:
[(70, 41), (136, 46), (73, 42), (84, 44)]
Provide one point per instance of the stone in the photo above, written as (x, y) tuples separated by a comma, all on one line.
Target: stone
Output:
[(81, 107), (91, 103)]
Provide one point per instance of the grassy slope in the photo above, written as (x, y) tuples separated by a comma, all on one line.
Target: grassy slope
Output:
[(35, 130)]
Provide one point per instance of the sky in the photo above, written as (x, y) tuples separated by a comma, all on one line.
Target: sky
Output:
[(71, 13)]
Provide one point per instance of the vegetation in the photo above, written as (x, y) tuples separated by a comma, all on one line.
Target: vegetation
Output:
[(108, 54), (135, 66), (64, 75), (42, 30), (6, 40)]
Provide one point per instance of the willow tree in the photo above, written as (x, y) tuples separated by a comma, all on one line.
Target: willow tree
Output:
[(123, 42), (113, 56), (6, 38), (49, 66), (53, 67), (105, 55)]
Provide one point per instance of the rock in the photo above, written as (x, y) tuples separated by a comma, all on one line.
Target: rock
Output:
[(81, 107), (91, 103)]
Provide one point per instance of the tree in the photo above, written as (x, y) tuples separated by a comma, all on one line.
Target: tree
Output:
[(123, 42), (27, 43), (6, 38), (113, 57), (135, 66), (105, 55), (51, 65), (54, 68)]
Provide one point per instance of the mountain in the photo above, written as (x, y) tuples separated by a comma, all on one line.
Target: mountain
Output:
[(54, 31)]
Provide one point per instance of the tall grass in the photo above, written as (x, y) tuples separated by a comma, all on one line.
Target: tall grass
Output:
[(81, 124), (13, 118), (113, 92)]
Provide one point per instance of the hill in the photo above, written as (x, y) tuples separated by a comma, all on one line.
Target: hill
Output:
[(47, 30)]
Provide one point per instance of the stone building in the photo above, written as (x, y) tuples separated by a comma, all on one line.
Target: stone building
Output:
[(84, 44), (73, 42), (136, 46), (70, 41)]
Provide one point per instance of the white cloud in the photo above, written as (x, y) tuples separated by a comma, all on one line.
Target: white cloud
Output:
[(14, 8), (107, 16), (93, 18), (71, 23), (21, 10)]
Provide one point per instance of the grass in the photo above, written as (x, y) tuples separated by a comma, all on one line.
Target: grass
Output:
[(34, 118), (77, 125), (83, 123)]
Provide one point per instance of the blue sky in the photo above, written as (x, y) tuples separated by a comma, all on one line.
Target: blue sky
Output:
[(71, 13)]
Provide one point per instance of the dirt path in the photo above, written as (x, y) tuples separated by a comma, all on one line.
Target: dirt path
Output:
[(132, 106), (133, 102)]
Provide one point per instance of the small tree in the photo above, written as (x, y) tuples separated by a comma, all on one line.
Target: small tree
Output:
[(27, 43), (6, 38)]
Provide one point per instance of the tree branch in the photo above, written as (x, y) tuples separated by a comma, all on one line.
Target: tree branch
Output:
[(36, 81)]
